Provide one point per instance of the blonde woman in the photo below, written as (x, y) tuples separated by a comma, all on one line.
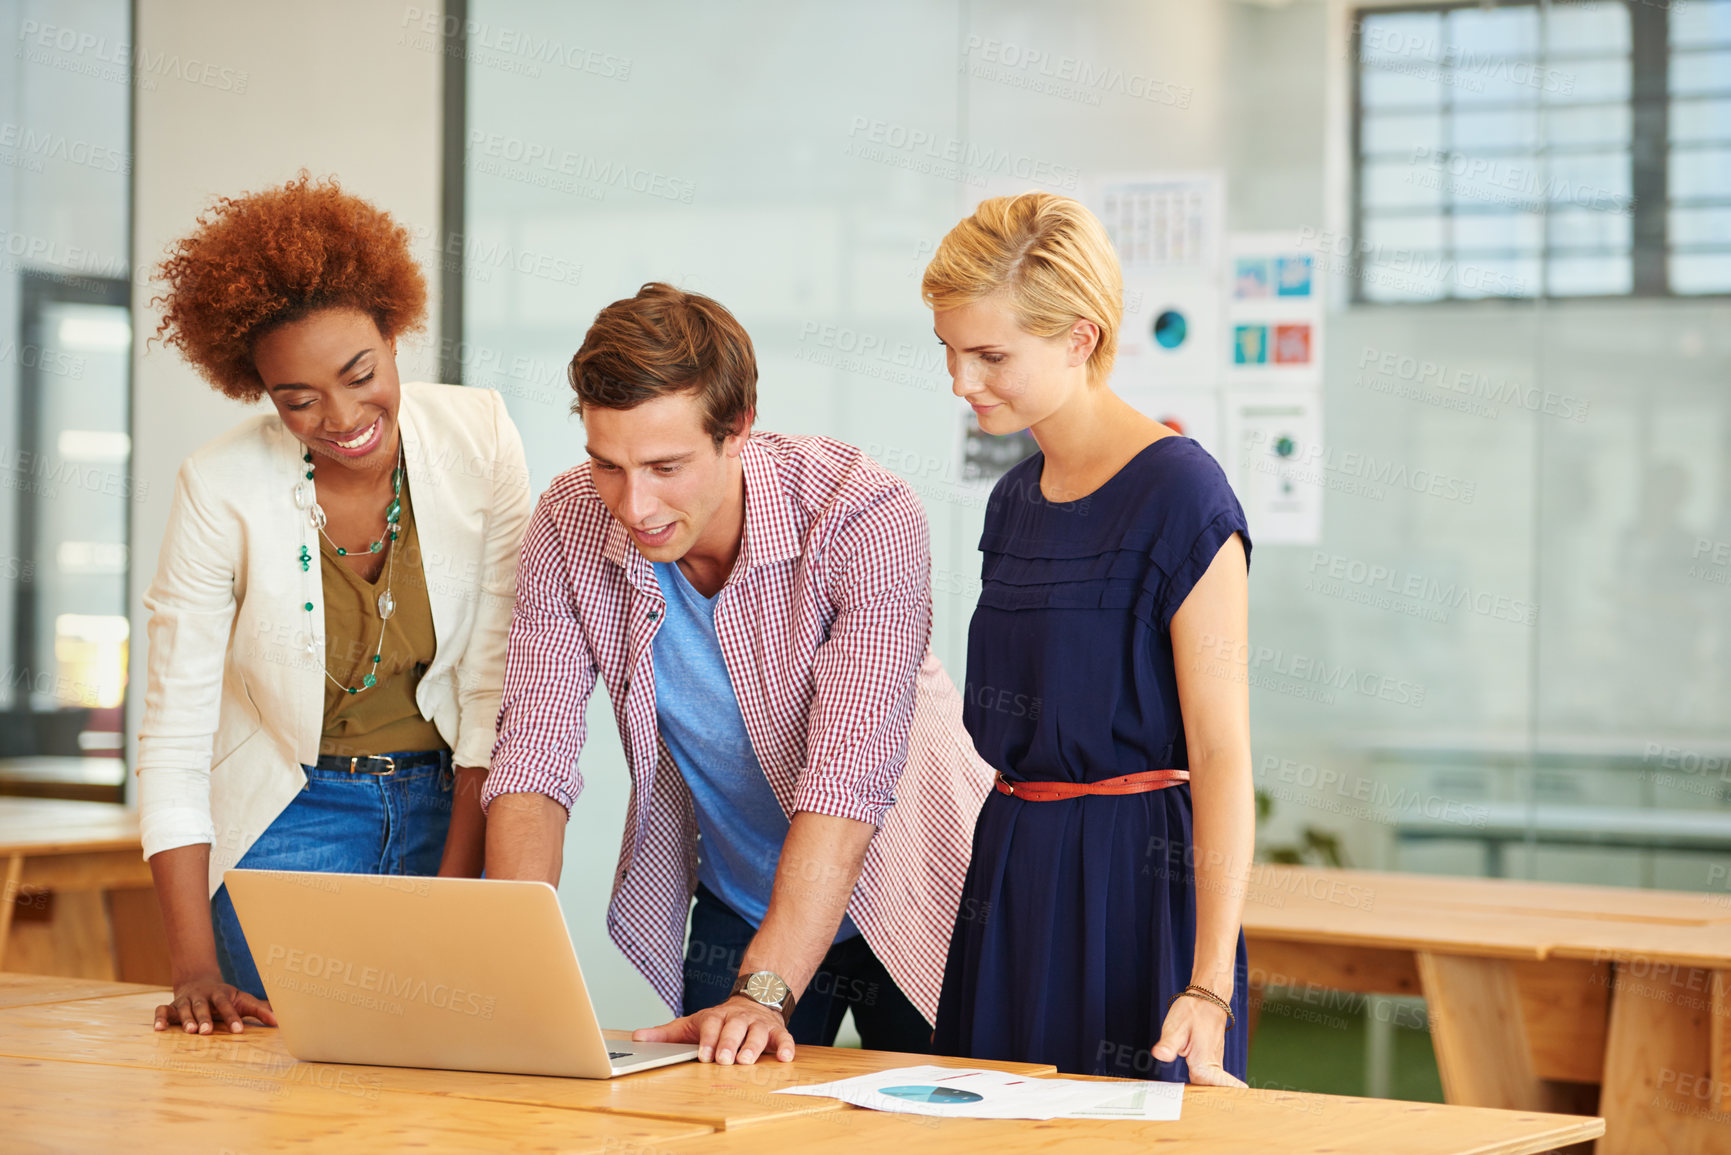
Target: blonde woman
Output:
[(1100, 925), (329, 615)]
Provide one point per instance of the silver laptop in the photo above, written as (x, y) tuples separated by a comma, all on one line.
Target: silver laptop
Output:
[(460, 974)]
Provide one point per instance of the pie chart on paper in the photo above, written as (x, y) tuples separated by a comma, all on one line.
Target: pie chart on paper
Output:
[(943, 1096)]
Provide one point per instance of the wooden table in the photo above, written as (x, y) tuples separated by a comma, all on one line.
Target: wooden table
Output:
[(90, 779), (75, 892), (80, 1069), (1536, 992)]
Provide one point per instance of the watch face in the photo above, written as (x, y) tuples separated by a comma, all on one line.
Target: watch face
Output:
[(766, 988)]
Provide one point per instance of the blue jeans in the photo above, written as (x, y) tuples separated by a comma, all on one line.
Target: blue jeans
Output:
[(851, 977), (344, 823)]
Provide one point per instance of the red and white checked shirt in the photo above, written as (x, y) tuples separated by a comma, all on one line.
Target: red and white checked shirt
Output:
[(824, 625)]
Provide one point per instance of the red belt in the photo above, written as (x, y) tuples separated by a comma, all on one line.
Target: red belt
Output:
[(1125, 784)]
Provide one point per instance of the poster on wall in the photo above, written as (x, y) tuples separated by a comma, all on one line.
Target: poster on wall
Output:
[(1274, 459), (1167, 230), (986, 456), (1169, 222), (1273, 315), (1170, 335), (1194, 413)]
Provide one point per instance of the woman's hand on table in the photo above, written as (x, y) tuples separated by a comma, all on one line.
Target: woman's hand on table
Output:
[(1196, 1030), (202, 1003)]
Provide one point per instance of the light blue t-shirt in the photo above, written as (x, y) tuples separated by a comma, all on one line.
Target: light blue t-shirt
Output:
[(740, 822)]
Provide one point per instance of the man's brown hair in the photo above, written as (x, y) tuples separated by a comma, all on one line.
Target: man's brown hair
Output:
[(664, 341)]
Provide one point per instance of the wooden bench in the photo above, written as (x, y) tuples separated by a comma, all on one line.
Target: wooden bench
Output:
[(1536, 992), (44, 776), (75, 892), (1499, 824)]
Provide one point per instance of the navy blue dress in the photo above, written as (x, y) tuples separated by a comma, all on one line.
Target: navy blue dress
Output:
[(1078, 917)]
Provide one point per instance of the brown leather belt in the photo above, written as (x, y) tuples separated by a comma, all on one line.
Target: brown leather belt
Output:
[(1124, 784)]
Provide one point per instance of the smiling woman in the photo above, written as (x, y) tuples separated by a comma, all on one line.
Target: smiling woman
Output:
[(328, 714), (259, 261)]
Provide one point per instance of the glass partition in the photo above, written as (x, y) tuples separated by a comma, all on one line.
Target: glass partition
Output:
[(1504, 651), (65, 447)]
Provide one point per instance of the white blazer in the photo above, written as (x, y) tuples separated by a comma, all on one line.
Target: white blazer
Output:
[(234, 704)]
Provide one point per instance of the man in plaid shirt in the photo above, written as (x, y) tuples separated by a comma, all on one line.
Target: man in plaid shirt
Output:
[(759, 608)]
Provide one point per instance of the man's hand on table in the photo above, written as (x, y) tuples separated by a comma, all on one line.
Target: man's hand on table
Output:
[(736, 1031), (199, 1004)]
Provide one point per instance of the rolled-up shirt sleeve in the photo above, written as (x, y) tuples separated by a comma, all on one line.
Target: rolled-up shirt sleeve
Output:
[(549, 675), (879, 569), (191, 602)]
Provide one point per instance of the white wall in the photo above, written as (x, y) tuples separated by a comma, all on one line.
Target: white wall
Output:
[(321, 84), (754, 107), (1593, 521), (798, 163), (339, 87), (757, 110)]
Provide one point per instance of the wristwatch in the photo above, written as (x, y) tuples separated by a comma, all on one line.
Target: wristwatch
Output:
[(768, 989)]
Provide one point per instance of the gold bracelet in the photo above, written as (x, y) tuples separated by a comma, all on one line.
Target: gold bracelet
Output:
[(1201, 992)]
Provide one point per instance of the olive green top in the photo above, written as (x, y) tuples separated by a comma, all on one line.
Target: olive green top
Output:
[(383, 718)]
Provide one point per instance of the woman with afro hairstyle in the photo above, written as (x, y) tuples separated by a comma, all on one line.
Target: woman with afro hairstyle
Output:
[(329, 615)]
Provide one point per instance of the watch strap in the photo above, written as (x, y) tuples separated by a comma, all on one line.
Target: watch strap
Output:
[(785, 1006)]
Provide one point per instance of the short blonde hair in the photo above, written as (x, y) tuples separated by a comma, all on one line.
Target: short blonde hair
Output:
[(1050, 254)]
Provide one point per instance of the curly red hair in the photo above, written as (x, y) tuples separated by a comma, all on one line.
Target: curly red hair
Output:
[(267, 258)]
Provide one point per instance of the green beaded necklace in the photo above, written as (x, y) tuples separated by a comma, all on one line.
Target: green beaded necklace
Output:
[(387, 604)]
